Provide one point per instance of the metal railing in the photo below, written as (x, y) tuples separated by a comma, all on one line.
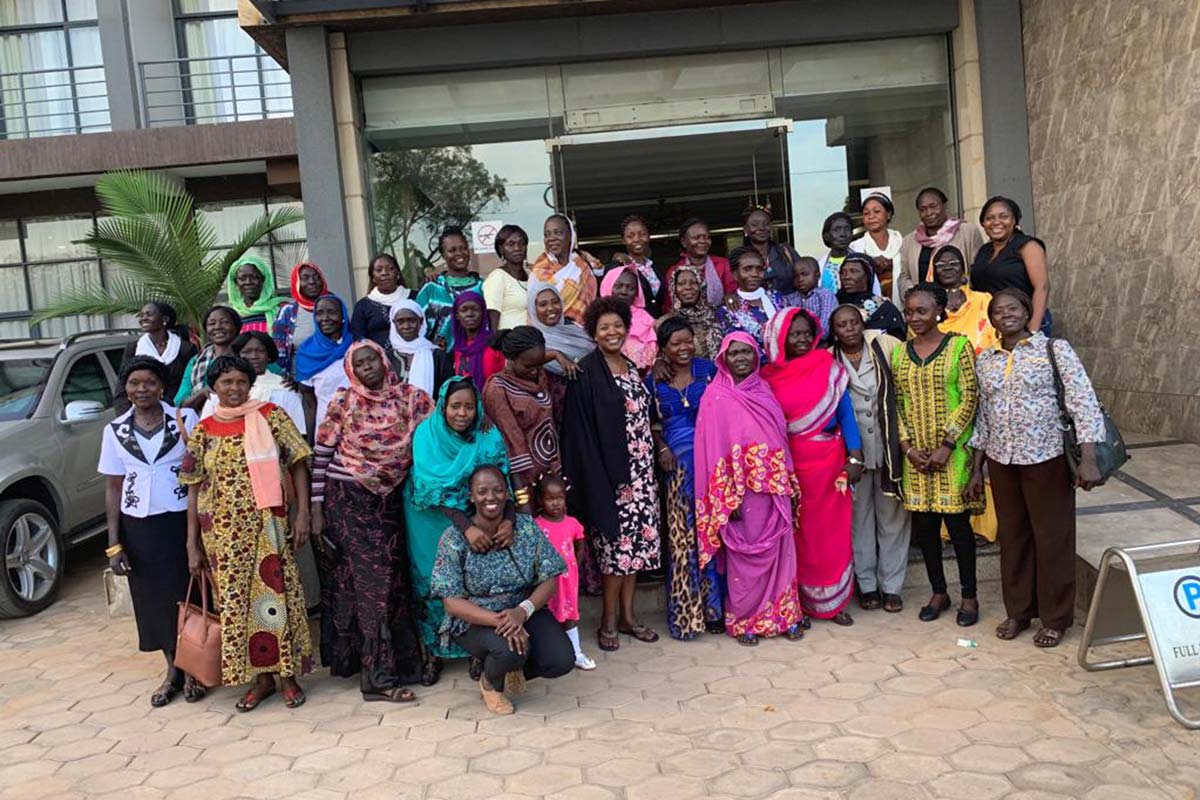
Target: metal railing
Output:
[(193, 91), (53, 102)]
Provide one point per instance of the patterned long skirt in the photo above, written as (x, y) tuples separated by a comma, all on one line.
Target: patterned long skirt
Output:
[(694, 595), (368, 621)]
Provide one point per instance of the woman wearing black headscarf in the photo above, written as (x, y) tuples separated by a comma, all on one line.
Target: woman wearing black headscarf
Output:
[(857, 273)]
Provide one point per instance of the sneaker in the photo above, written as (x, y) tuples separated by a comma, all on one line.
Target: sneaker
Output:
[(584, 663)]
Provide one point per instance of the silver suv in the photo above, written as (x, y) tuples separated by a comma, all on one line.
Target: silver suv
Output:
[(56, 395)]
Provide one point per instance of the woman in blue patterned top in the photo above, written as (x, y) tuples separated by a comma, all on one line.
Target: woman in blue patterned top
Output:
[(694, 597), (496, 599)]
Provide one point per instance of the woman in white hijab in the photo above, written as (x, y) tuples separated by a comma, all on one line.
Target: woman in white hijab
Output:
[(415, 359)]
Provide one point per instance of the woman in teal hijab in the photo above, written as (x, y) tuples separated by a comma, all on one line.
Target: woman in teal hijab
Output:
[(250, 286), (447, 447)]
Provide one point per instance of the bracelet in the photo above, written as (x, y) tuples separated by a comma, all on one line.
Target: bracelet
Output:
[(114, 550), (663, 449), (527, 606)]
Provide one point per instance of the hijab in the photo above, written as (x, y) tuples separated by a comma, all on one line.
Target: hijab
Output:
[(421, 369), (700, 315), (443, 458), (564, 336), (300, 299), (641, 345), (266, 304), (471, 352), (574, 279), (319, 351), (808, 387)]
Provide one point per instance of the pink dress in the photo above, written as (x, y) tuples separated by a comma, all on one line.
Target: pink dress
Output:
[(564, 605)]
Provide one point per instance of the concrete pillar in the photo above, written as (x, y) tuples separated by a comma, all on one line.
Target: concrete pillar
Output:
[(120, 72), (317, 148), (350, 153), (968, 108)]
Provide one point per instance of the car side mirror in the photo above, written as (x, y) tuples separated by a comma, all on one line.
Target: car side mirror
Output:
[(82, 411)]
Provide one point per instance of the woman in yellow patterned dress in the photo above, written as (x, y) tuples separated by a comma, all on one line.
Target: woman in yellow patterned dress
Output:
[(936, 395), (238, 532)]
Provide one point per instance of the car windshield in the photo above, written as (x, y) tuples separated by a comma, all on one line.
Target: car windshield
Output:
[(21, 382)]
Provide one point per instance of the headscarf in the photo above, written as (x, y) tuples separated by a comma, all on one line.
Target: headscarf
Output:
[(374, 444), (878, 313), (574, 280), (319, 351), (471, 352), (737, 422), (565, 336), (701, 315), (942, 237), (419, 350), (641, 345), (266, 304), (300, 299), (808, 387), (444, 459)]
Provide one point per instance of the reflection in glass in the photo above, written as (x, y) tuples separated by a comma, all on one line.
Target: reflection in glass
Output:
[(54, 238)]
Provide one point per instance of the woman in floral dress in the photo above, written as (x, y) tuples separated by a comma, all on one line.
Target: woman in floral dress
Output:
[(614, 491), (237, 464)]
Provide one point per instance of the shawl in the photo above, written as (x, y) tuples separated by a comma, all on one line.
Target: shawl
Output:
[(200, 367), (574, 280), (300, 299), (641, 345), (713, 285), (419, 350), (265, 384), (762, 296), (472, 350), (262, 454), (565, 336), (319, 351), (595, 450), (377, 425), (886, 410), (741, 446), (444, 459), (266, 304), (808, 387), (646, 270), (701, 315), (145, 347), (942, 237), (391, 299)]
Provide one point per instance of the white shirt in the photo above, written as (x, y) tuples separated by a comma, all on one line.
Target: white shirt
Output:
[(865, 244), (324, 384), (286, 400), (149, 464)]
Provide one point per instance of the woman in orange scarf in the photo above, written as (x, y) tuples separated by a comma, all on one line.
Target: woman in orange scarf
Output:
[(238, 533), (569, 270)]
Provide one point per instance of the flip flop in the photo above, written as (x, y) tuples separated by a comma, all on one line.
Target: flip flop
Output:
[(251, 701), (397, 694), (294, 698), (641, 633), (1011, 628), (1048, 637), (607, 640)]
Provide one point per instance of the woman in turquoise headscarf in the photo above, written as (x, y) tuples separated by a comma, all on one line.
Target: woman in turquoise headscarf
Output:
[(447, 447), (250, 286)]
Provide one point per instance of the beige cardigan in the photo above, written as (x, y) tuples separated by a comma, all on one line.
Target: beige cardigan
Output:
[(968, 238)]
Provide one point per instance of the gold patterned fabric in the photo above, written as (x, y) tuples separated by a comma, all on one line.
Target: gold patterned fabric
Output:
[(264, 626)]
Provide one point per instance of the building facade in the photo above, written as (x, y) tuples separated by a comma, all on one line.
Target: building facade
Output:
[(93, 85)]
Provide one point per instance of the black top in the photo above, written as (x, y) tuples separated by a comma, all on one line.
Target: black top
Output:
[(594, 447), (443, 368), (1006, 270), (175, 371), (882, 314), (654, 302), (370, 321), (782, 261)]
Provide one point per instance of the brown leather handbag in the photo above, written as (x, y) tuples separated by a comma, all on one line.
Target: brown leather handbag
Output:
[(198, 647)]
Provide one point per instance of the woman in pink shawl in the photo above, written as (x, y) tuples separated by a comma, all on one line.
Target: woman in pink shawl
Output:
[(641, 346), (827, 452), (745, 493)]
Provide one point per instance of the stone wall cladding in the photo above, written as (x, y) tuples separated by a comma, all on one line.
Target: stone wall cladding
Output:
[(1113, 91)]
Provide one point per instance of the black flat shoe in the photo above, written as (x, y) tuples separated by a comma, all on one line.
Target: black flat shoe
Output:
[(715, 626), (931, 612), (966, 619)]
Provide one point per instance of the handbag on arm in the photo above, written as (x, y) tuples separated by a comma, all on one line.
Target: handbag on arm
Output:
[(198, 647), (1111, 454)]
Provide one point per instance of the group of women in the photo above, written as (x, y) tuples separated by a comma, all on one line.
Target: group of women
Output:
[(768, 429)]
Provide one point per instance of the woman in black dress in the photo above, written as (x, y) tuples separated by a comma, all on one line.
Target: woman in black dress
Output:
[(372, 317), (1012, 260)]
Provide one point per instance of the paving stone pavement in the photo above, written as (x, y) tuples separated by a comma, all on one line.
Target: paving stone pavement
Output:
[(889, 709)]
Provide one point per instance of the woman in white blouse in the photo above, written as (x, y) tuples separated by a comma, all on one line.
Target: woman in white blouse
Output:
[(146, 509), (882, 244)]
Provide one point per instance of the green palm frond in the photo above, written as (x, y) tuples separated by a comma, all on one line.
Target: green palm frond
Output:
[(162, 247)]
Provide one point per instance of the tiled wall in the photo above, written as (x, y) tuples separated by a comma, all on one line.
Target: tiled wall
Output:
[(1113, 89)]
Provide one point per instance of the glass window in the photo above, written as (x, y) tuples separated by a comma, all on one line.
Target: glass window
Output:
[(29, 12), (116, 357), (54, 238), (86, 381), (10, 241), (206, 6), (21, 382), (81, 10), (12, 290)]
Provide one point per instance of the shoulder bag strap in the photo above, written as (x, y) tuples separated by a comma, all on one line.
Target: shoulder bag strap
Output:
[(1060, 392)]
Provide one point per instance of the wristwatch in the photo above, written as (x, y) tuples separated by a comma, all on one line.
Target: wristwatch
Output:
[(858, 462)]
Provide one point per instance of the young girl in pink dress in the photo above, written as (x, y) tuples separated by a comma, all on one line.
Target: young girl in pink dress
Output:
[(566, 534)]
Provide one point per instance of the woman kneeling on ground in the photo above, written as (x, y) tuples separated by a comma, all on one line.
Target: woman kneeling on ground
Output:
[(496, 600)]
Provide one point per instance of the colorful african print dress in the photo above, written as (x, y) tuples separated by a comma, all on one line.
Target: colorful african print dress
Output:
[(264, 627)]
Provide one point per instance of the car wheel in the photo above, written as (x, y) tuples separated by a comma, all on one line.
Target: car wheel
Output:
[(34, 557)]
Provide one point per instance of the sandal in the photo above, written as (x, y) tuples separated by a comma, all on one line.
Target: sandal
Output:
[(193, 690), (869, 601), (639, 632), (431, 671), (843, 619), (893, 603), (397, 694), (251, 700), (805, 623), (714, 626), (747, 640), (607, 640), (294, 697), (1011, 628), (164, 694), (794, 633), (1048, 637)]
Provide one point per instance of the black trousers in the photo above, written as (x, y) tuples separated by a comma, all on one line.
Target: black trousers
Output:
[(927, 532), (550, 653)]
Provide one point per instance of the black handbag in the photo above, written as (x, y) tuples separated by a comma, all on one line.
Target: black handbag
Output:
[(1111, 454)]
